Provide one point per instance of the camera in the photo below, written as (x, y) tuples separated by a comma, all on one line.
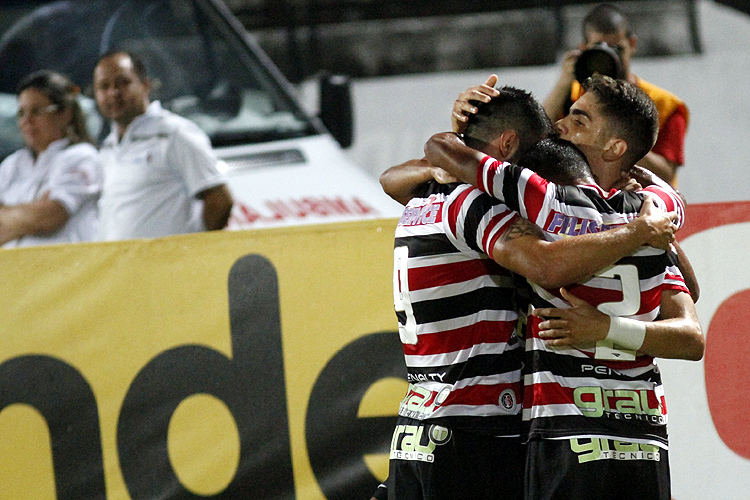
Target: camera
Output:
[(600, 58)]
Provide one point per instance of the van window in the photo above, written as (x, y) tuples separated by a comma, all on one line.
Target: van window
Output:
[(203, 69)]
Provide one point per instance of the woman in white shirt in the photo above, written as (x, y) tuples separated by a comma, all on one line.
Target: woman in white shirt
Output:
[(49, 189)]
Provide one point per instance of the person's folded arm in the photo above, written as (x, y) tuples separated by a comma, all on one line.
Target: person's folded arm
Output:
[(42, 216)]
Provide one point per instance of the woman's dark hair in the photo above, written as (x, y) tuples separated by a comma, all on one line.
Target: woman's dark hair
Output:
[(64, 94)]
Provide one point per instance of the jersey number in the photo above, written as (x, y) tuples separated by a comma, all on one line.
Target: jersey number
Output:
[(401, 298), (628, 306), (631, 291)]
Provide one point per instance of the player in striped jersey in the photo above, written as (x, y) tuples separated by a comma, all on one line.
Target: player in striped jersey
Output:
[(458, 434), (595, 409)]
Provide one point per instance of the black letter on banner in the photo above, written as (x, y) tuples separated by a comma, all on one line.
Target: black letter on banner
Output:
[(251, 384), (337, 439), (65, 400)]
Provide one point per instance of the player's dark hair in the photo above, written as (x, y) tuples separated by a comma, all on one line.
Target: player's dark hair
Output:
[(139, 67), (512, 109), (62, 93), (558, 161), (630, 113), (606, 19)]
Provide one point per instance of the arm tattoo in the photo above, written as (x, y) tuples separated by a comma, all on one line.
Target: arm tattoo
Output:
[(522, 227)]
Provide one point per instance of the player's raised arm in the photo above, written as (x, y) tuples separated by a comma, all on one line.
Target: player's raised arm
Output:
[(465, 105), (523, 250), (402, 182), (447, 151)]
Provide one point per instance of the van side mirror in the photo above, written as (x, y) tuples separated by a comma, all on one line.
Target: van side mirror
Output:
[(336, 110)]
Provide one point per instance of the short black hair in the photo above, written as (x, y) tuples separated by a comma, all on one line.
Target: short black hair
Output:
[(558, 161), (512, 109), (139, 67), (631, 114)]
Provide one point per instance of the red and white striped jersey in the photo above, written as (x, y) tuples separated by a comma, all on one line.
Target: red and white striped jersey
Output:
[(592, 390), (456, 313)]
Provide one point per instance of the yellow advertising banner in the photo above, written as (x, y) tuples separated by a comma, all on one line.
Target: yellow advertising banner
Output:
[(261, 364)]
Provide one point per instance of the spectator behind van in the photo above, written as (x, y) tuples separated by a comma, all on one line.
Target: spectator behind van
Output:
[(49, 189), (157, 165)]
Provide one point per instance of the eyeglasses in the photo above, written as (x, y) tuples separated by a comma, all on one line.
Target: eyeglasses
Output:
[(36, 112)]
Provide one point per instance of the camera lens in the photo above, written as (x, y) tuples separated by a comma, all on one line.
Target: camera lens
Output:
[(602, 59)]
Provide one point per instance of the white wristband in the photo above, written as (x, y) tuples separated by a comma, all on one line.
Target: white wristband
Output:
[(626, 333)]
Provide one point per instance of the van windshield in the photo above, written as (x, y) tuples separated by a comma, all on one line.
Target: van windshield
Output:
[(201, 67)]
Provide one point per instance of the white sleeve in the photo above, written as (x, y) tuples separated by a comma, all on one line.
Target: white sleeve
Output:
[(5, 175), (75, 177), (192, 154)]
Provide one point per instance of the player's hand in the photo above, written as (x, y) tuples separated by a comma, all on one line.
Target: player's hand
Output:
[(644, 176), (658, 227), (462, 108), (443, 177), (648, 178), (582, 323), (627, 183)]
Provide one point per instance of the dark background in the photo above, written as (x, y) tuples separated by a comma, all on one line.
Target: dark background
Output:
[(369, 38)]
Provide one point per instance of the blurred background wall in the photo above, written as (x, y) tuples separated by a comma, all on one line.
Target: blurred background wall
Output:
[(370, 38)]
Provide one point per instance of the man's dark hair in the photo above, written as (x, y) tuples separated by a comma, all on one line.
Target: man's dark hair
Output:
[(138, 65), (512, 109), (630, 113), (558, 161), (606, 19)]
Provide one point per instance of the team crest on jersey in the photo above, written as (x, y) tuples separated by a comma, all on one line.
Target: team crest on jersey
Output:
[(507, 399), (428, 213)]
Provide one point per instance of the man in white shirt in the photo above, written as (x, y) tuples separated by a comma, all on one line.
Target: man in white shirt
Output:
[(156, 164)]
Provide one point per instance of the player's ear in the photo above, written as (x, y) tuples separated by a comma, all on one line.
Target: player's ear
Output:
[(633, 42), (615, 149), (508, 143)]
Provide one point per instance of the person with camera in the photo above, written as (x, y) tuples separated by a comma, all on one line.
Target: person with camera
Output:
[(607, 49)]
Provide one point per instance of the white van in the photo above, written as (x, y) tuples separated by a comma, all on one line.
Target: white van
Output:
[(283, 165)]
